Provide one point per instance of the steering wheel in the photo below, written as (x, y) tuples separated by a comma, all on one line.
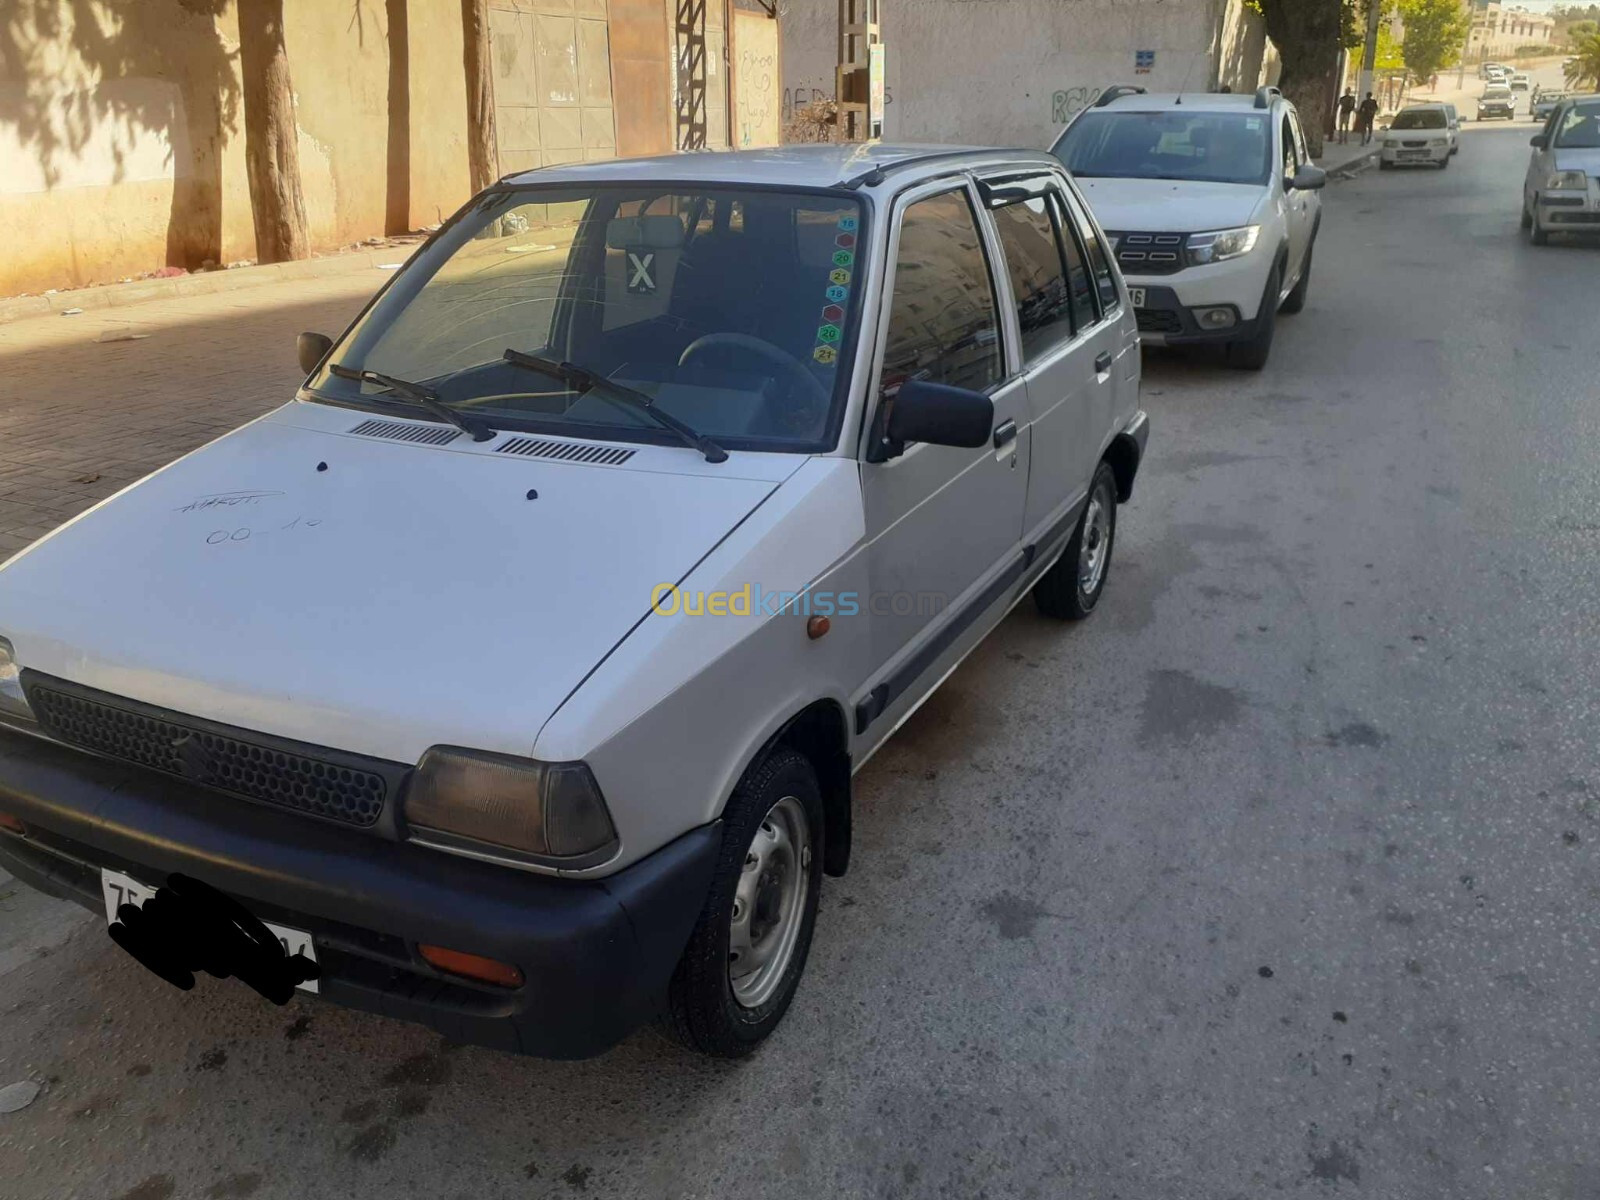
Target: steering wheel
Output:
[(777, 355)]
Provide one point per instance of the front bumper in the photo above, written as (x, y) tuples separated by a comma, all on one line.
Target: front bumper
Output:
[(596, 954), (1569, 209), (1497, 113), (1418, 155), (1165, 320)]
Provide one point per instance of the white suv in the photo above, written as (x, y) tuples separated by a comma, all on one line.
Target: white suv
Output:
[(1210, 203)]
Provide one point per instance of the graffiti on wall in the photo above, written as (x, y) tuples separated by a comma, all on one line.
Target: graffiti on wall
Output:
[(796, 98), (1066, 104)]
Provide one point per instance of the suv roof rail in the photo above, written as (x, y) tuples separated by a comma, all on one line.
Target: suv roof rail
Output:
[(1116, 91), (1265, 96)]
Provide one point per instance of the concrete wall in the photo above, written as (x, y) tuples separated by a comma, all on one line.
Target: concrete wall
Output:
[(1013, 72), (122, 124)]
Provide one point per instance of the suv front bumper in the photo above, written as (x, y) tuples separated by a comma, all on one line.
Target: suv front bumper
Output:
[(1165, 320), (595, 954)]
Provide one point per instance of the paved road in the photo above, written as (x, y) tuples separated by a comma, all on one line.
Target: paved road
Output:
[(1277, 877)]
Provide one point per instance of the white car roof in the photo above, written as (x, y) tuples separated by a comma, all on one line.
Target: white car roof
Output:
[(1195, 101), (824, 165), (1425, 105)]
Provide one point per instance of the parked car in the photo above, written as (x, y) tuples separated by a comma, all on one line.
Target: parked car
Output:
[(511, 678), (1520, 81), (1498, 74), (1213, 207), (1561, 191), (1485, 70), (1419, 135), (1545, 103), (1497, 102)]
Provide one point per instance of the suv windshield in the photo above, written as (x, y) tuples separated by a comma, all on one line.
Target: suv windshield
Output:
[(1497, 93), (1420, 118), (732, 309), (1214, 147), (1580, 128)]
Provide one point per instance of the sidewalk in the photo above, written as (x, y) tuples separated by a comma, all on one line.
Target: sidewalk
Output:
[(1342, 161)]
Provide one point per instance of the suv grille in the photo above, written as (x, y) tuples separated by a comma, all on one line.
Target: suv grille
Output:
[(310, 779), (1150, 253)]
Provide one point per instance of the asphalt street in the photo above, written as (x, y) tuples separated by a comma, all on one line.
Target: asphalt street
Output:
[(1277, 877)]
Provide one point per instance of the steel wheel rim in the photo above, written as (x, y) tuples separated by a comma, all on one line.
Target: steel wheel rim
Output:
[(769, 903), (1095, 547)]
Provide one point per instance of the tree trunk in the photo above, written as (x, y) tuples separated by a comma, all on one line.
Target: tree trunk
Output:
[(271, 149), (482, 155), (1309, 94), (1309, 35)]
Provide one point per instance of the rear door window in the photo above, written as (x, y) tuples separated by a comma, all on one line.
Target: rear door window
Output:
[(1035, 265)]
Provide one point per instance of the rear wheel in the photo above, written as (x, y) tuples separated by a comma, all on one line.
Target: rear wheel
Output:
[(1071, 588), (748, 949)]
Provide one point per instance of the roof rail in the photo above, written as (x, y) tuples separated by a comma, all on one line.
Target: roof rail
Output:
[(1117, 90), (880, 171), (1265, 96)]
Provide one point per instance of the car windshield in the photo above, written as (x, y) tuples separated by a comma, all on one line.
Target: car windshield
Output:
[(1420, 118), (1213, 147), (1580, 128), (733, 309), (1500, 93)]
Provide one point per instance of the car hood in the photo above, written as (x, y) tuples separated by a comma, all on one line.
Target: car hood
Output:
[(1587, 161), (371, 595), (1169, 205)]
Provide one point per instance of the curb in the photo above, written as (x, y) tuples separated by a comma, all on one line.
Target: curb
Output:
[(204, 283), (1354, 166)]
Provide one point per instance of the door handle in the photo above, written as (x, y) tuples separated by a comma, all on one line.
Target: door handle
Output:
[(1004, 434), (1102, 364)]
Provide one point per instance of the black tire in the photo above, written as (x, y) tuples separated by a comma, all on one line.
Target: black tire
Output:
[(1296, 299), (702, 1012), (1385, 165), (1537, 233), (1445, 162), (1059, 592), (1251, 353), (1527, 217)]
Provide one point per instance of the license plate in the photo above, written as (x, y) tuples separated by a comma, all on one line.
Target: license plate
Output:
[(1413, 154), (120, 889), (1136, 297)]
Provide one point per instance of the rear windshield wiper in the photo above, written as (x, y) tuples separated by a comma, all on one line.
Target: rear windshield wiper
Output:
[(415, 392), (582, 379)]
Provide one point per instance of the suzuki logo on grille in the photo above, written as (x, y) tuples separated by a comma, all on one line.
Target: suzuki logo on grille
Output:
[(194, 760)]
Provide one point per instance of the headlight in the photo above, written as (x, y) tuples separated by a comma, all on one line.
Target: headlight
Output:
[(1223, 244), (1438, 141), (12, 702), (1567, 179), (504, 807)]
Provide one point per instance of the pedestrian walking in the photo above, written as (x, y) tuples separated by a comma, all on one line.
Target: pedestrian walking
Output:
[(1365, 116), (1347, 110)]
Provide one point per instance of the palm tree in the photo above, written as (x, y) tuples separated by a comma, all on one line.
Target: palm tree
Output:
[(1585, 65)]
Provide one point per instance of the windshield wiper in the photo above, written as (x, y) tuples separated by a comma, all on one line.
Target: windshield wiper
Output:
[(582, 379), (415, 392)]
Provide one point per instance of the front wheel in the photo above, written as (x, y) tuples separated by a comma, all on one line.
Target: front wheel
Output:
[(1071, 588), (748, 949), (1537, 233), (1251, 353), (1445, 162), (1296, 299)]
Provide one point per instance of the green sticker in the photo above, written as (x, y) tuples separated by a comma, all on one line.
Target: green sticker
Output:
[(828, 333), (843, 258)]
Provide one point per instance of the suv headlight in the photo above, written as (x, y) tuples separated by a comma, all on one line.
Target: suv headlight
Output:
[(12, 702), (1222, 244), (503, 807), (1575, 180)]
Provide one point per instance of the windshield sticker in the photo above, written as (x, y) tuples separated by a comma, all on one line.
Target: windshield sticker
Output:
[(641, 265), (833, 314), (826, 355), (837, 294), (849, 224), (843, 258), (1253, 124), (846, 241), (828, 333)]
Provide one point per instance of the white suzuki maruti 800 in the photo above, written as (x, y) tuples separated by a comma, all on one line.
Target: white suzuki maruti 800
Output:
[(511, 678)]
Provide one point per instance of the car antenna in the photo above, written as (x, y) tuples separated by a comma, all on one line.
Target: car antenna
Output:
[(1184, 86)]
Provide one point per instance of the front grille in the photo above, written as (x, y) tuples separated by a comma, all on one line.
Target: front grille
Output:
[(1413, 145), (1149, 253), (310, 779), (1557, 217), (1158, 320)]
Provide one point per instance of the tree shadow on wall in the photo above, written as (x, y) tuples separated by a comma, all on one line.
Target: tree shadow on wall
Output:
[(150, 70)]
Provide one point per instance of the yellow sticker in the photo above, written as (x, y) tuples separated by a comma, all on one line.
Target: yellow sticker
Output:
[(825, 354), (841, 276)]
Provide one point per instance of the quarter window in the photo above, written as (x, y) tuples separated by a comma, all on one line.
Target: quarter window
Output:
[(1038, 280), (1290, 165), (942, 323), (1105, 285), (1083, 312)]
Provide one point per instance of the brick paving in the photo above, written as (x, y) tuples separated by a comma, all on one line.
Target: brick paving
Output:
[(81, 418)]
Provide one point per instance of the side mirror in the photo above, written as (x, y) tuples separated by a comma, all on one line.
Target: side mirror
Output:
[(1540, 141), (1309, 179), (939, 414), (312, 349)]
